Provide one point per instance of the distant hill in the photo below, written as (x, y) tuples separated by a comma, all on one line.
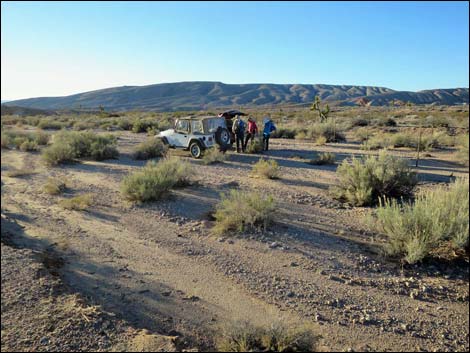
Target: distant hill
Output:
[(24, 111), (205, 95)]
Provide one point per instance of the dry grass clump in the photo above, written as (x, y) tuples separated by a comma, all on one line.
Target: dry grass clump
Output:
[(255, 145), (150, 148), (363, 182), (268, 169), (54, 186), (462, 154), (324, 158), (154, 180), (69, 145), (18, 173), (437, 216), (213, 155), (244, 337), (77, 203), (241, 210)]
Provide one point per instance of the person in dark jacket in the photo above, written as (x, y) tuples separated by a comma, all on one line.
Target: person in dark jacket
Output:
[(269, 127), (238, 129), (251, 132)]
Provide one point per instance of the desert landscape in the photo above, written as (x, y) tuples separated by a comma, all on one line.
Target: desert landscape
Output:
[(118, 274), (235, 176)]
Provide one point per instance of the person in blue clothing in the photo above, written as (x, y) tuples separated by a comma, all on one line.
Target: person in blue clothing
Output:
[(269, 127)]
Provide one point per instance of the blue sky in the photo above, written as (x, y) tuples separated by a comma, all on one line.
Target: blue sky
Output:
[(58, 48)]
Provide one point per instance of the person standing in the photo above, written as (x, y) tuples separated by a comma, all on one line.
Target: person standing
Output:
[(269, 127), (252, 131), (238, 129)]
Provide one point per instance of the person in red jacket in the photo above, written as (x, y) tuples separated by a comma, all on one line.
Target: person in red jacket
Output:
[(252, 131)]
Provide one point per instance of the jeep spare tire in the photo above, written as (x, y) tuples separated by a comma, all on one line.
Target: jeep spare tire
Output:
[(222, 137)]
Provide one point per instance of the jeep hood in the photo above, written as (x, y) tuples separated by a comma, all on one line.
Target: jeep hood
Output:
[(166, 133)]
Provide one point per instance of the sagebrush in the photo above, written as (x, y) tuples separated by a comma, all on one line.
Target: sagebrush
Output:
[(243, 210), (415, 229), (363, 182), (155, 179)]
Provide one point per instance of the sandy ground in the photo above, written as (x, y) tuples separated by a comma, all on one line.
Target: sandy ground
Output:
[(157, 267)]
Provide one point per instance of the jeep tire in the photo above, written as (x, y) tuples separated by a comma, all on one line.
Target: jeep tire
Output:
[(195, 149)]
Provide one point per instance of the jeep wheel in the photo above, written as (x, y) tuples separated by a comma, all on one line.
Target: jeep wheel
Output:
[(222, 137), (195, 149)]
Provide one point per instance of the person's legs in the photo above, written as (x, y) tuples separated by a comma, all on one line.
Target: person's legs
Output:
[(248, 136), (242, 139), (267, 143), (264, 142)]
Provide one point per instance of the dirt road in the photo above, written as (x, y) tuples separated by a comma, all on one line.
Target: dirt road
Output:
[(158, 267)]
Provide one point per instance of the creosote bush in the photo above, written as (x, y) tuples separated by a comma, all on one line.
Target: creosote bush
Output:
[(462, 153), (266, 169), (69, 145), (213, 155), (243, 210), (437, 216), (244, 337), (154, 180), (363, 182)]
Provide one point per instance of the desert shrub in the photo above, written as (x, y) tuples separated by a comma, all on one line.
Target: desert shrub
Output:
[(140, 125), (50, 125), (377, 141), (150, 148), (6, 140), (241, 210), (243, 337), (323, 158), (29, 146), (18, 173), (69, 145), (358, 121), (125, 124), (103, 147), (41, 138), (385, 121), (362, 182), (83, 125), (462, 154), (54, 186), (283, 132), (327, 130), (414, 230), (363, 133), (255, 145), (155, 180), (320, 140), (213, 155), (56, 154), (437, 121), (77, 203), (266, 169)]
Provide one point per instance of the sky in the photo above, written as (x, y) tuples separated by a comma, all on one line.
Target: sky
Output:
[(59, 48)]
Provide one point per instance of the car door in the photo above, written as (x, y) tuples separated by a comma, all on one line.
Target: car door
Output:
[(182, 133)]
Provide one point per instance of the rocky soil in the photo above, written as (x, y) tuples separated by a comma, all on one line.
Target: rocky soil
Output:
[(157, 267)]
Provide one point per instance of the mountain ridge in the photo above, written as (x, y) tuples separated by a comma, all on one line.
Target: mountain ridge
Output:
[(196, 95)]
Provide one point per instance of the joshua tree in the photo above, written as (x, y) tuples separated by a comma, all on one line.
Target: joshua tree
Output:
[(322, 113)]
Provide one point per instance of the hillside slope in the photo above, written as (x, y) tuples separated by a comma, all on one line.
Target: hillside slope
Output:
[(203, 95)]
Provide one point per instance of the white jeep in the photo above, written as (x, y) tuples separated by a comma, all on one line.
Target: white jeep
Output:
[(198, 133)]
